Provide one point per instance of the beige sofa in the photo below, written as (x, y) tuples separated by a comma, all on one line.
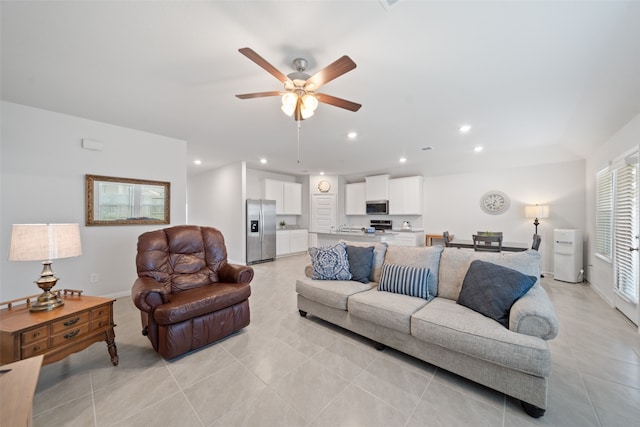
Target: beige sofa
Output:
[(515, 361)]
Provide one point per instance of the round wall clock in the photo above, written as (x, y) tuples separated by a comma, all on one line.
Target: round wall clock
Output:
[(324, 186), (494, 202)]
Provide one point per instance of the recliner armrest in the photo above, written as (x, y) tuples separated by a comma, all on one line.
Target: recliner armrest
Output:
[(148, 293), (235, 273)]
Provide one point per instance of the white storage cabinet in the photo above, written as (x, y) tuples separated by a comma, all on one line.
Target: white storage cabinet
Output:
[(405, 196), (355, 201)]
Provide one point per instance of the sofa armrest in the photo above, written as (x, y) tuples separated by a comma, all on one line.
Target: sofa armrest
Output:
[(234, 273), (534, 315), (147, 293)]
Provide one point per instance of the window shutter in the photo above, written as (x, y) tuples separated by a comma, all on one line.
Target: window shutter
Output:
[(626, 229), (604, 213)]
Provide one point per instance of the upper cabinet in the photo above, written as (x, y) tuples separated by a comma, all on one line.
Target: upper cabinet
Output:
[(288, 196), (377, 188), (405, 196), (355, 199)]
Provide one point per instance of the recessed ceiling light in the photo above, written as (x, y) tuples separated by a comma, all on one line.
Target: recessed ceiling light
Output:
[(263, 161), (321, 173), (478, 149), (403, 159), (197, 162), (465, 128), (352, 135)]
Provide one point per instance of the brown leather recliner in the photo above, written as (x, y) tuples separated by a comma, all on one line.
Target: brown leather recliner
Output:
[(188, 295)]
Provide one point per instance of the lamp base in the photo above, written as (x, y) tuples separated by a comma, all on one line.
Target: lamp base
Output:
[(46, 301)]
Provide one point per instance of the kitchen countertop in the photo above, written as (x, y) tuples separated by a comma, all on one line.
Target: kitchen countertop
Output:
[(357, 233)]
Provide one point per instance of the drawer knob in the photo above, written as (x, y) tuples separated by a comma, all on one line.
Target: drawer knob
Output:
[(71, 322), (36, 348), (72, 334), (36, 334)]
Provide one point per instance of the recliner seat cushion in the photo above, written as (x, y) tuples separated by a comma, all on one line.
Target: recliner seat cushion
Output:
[(200, 301)]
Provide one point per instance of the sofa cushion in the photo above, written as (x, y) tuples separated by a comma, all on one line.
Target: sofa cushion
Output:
[(455, 327), (424, 256), (455, 262), (330, 263), (360, 262), (403, 279), (333, 293), (386, 309), (379, 251), (491, 289)]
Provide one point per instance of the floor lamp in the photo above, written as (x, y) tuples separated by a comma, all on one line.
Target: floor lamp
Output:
[(537, 212)]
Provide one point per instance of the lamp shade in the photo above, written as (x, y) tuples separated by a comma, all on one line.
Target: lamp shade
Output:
[(537, 211), (39, 242)]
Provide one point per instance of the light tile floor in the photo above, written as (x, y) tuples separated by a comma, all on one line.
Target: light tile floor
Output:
[(284, 370)]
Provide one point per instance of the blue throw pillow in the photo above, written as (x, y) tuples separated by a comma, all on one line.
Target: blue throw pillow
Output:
[(360, 262), (330, 263), (491, 289), (403, 279)]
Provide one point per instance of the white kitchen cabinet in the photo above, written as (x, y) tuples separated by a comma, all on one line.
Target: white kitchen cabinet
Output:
[(299, 241), (292, 193), (291, 241), (377, 187), (405, 196), (355, 199), (288, 196), (283, 245)]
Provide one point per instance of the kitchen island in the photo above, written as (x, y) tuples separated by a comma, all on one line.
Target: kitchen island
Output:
[(326, 239)]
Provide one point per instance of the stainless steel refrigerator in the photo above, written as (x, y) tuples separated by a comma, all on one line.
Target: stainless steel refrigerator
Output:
[(261, 230)]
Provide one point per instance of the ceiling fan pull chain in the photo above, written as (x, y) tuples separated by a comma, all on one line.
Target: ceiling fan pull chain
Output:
[(298, 142)]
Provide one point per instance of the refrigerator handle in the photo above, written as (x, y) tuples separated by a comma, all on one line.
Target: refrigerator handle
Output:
[(261, 219)]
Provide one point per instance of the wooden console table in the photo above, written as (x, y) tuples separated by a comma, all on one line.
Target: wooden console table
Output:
[(55, 334)]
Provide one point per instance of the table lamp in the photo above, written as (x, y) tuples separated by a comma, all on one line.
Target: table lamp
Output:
[(537, 212), (44, 242)]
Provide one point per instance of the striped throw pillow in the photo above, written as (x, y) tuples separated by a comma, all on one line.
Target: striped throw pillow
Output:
[(403, 279)]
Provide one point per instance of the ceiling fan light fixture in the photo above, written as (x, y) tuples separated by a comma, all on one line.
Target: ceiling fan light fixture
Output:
[(289, 102), (309, 102)]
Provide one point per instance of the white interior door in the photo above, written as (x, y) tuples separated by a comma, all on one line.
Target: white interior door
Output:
[(626, 230), (324, 212)]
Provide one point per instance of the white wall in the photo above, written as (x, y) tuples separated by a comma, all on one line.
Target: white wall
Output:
[(43, 181), (216, 198), (452, 202), (626, 139)]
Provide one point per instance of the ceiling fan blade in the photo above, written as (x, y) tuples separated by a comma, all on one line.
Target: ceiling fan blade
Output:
[(249, 53), (337, 102), (330, 72), (260, 94)]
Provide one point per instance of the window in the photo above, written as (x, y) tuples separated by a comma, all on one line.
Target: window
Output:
[(604, 213), (626, 228)]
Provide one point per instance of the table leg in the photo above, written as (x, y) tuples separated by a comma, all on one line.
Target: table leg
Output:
[(111, 346)]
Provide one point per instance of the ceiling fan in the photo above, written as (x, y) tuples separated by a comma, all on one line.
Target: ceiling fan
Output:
[(299, 98)]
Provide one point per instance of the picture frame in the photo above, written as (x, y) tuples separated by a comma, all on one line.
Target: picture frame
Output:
[(126, 201)]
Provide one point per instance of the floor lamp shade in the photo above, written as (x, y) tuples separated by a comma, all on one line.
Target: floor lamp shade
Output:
[(537, 211), (45, 242)]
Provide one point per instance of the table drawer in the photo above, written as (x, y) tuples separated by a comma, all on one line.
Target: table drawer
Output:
[(34, 335), (102, 322), (34, 348), (70, 334), (103, 311), (71, 322)]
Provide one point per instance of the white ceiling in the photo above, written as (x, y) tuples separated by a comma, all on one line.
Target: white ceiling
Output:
[(538, 81)]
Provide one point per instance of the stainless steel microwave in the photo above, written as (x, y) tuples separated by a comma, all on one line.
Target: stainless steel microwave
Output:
[(378, 207)]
